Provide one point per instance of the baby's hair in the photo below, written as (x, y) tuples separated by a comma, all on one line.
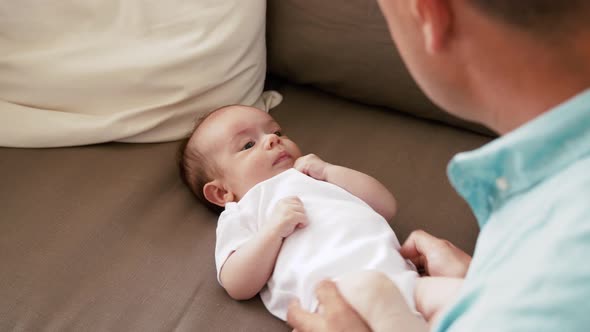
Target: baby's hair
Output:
[(195, 168)]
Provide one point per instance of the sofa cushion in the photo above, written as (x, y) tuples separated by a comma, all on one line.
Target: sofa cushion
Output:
[(81, 72), (344, 47), (107, 238)]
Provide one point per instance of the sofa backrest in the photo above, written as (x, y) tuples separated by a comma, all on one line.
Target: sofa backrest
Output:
[(344, 47)]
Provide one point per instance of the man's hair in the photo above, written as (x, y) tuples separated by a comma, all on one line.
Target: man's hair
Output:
[(195, 168), (536, 15)]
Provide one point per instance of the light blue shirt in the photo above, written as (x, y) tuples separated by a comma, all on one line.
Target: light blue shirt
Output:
[(530, 193)]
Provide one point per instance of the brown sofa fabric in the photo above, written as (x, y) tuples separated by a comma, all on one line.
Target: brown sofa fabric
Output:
[(344, 47), (106, 238)]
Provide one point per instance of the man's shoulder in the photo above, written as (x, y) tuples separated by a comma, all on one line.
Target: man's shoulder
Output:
[(570, 187), (528, 271)]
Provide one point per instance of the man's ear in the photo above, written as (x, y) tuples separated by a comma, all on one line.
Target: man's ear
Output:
[(216, 193), (435, 18)]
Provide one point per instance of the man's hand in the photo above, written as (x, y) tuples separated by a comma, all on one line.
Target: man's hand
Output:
[(335, 314), (437, 257), (288, 215), (312, 165)]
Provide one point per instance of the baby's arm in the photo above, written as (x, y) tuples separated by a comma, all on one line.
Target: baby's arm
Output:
[(359, 184), (434, 294), (247, 269)]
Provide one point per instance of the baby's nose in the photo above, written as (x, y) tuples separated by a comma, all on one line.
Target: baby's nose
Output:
[(272, 140)]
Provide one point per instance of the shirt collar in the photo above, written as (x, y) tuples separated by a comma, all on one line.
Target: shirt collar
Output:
[(487, 176)]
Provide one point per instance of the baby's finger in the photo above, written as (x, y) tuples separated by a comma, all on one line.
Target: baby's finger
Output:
[(303, 164), (293, 200), (299, 163), (420, 264), (418, 243), (303, 221), (296, 206)]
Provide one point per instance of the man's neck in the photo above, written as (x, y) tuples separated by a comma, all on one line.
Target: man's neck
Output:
[(521, 78), (524, 103)]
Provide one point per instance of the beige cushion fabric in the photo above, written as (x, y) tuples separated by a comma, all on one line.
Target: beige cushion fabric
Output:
[(80, 72)]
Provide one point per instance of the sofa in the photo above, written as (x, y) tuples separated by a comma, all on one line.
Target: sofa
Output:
[(106, 237)]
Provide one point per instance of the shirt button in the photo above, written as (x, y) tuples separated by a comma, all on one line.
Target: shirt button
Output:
[(502, 184)]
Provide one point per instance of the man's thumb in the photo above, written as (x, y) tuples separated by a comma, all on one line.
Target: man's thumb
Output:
[(301, 320)]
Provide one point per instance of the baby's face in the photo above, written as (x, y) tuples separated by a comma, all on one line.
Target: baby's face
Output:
[(247, 146)]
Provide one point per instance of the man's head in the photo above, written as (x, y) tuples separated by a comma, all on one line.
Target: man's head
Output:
[(474, 57), (539, 17), (231, 150)]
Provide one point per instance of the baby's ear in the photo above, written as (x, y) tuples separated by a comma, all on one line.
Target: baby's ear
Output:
[(215, 193)]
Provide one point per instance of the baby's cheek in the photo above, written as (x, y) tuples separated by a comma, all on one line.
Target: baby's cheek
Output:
[(296, 151), (259, 173)]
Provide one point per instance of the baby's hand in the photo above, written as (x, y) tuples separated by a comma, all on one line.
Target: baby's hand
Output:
[(313, 166), (288, 215)]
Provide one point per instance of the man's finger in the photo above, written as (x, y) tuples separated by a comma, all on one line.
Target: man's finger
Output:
[(329, 296), (418, 243), (303, 321)]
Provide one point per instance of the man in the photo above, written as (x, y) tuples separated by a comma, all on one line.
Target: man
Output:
[(523, 69)]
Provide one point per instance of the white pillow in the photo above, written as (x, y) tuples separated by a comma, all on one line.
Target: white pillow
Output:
[(78, 72)]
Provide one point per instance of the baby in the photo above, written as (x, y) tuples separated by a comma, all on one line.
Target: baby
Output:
[(289, 221)]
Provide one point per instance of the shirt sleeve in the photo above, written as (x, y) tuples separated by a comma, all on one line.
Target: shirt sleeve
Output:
[(232, 232)]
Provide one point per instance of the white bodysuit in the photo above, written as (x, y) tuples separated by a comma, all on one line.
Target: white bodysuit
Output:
[(344, 235)]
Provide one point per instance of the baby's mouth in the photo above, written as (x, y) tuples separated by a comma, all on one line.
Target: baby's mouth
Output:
[(282, 157)]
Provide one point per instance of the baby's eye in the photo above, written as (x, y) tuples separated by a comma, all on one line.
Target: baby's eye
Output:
[(278, 133), (248, 145)]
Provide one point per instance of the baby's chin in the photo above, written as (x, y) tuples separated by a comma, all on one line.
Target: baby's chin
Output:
[(279, 170), (283, 167), (274, 172)]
